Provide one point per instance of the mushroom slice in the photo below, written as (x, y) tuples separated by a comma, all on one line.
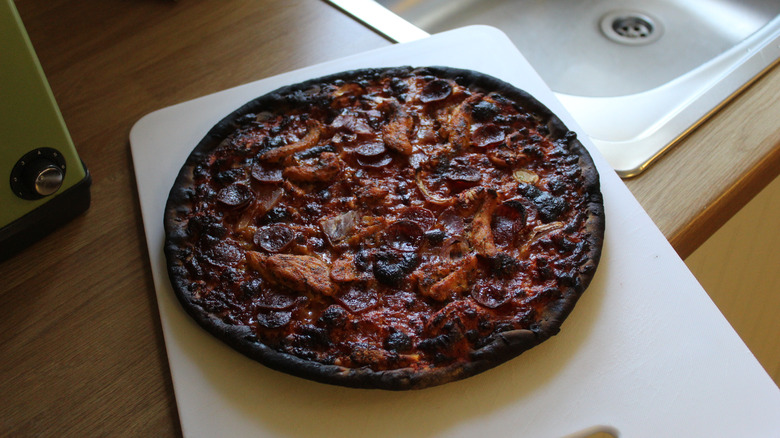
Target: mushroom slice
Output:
[(296, 272)]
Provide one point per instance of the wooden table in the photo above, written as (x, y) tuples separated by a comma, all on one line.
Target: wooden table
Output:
[(82, 352)]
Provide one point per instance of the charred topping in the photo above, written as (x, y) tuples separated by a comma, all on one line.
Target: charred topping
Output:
[(395, 219)]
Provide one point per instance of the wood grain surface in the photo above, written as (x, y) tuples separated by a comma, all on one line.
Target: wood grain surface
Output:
[(702, 182), (81, 352)]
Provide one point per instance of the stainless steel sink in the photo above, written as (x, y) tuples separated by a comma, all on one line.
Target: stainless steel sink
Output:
[(637, 75)]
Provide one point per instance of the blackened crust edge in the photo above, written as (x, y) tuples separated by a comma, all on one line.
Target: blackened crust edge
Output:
[(503, 347)]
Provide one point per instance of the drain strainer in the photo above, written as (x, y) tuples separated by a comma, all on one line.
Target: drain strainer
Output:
[(629, 27)]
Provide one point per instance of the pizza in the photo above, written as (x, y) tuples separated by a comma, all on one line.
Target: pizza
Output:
[(392, 228)]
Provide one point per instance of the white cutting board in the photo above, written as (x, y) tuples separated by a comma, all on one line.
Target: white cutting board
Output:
[(644, 354)]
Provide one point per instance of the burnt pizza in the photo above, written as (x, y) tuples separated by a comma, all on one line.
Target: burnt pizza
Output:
[(392, 228)]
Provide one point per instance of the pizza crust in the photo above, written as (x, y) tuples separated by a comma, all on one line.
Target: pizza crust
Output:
[(502, 347)]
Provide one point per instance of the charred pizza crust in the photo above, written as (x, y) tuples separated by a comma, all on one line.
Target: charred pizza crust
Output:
[(213, 279)]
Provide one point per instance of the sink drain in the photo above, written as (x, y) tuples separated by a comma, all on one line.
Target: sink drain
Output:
[(628, 27)]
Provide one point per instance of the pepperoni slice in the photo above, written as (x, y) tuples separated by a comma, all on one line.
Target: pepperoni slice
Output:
[(422, 216), (273, 318), (358, 299), (464, 174), (404, 235), (381, 160), (452, 222), (488, 134), (373, 149), (235, 196), (490, 295), (274, 238), (266, 174), (436, 90), (508, 221), (275, 300), (223, 253)]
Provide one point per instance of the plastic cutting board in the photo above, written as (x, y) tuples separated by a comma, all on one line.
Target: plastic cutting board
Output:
[(644, 354)]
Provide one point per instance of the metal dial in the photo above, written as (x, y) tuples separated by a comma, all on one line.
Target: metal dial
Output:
[(39, 173)]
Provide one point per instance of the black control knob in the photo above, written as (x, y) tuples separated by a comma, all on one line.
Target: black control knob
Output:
[(38, 174)]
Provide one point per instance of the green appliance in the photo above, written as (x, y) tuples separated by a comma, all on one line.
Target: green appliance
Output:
[(43, 182)]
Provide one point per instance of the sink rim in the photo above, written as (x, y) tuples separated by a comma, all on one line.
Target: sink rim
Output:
[(706, 89), (566, 42)]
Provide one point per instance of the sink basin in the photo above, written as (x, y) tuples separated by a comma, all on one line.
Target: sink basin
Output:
[(637, 75)]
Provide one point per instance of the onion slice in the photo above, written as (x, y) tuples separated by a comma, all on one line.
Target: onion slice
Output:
[(339, 227), (431, 197)]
